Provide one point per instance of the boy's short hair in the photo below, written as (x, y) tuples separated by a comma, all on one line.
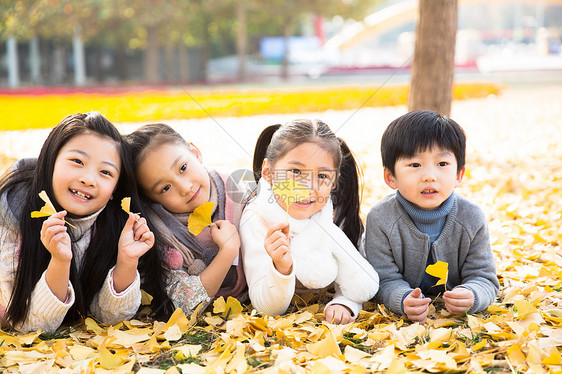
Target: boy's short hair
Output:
[(418, 131)]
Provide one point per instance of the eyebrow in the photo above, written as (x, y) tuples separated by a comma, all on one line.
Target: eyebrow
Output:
[(109, 163), (322, 168), (445, 153), (172, 167)]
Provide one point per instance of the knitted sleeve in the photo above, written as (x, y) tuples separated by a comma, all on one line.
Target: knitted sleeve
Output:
[(110, 306), (270, 291), (478, 271), (381, 255), (46, 312), (8, 263)]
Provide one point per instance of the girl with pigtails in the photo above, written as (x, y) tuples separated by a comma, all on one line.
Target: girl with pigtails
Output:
[(312, 243)]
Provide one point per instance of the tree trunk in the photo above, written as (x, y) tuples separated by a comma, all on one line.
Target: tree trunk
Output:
[(170, 61), (241, 39), (59, 72), (12, 61), (79, 58), (121, 62), (151, 74), (35, 60), (434, 57), (286, 54), (97, 68), (205, 49), (183, 62)]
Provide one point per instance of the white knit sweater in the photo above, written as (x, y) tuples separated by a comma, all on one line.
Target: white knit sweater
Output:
[(322, 255), (46, 311)]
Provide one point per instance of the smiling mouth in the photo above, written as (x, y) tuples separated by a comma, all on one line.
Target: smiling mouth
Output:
[(195, 196), (81, 194), (429, 192)]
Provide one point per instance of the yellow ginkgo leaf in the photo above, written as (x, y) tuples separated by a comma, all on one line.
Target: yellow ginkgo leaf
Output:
[(126, 204), (46, 210), (109, 360), (290, 191), (200, 218), (231, 307), (146, 298), (439, 270), (325, 347)]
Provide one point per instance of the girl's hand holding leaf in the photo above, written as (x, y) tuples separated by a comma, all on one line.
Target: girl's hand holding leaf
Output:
[(56, 239), (226, 236), (135, 240), (277, 244)]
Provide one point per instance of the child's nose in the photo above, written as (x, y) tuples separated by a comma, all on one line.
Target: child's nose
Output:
[(185, 188), (87, 179), (429, 176)]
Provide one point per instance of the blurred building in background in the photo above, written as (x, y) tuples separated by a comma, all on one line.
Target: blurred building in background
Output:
[(492, 36)]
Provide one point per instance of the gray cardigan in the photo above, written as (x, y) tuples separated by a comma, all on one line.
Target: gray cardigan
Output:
[(398, 251)]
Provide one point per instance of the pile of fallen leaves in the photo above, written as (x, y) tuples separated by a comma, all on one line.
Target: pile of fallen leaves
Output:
[(514, 171)]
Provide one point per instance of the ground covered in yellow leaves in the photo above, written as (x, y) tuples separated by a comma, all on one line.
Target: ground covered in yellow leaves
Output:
[(514, 171)]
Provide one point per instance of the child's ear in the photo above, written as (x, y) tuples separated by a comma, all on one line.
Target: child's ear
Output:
[(389, 179), (460, 175), (266, 170), (196, 152)]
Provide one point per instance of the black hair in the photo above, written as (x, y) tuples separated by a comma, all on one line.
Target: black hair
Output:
[(152, 136), (349, 190), (276, 140), (101, 253), (418, 131)]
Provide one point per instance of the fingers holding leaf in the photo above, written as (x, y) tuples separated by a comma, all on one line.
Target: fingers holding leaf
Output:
[(136, 238), (55, 238), (46, 210)]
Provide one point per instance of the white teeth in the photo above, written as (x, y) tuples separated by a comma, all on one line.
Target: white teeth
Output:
[(80, 194)]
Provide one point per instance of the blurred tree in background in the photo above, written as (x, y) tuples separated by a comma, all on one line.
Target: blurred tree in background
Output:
[(174, 39)]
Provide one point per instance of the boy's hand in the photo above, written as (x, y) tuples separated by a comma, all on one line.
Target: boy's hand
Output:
[(226, 236), (338, 314), (458, 300), (278, 246), (55, 238), (416, 306)]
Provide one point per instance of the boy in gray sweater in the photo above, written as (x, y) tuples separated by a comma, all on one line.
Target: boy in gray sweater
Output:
[(423, 156)]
